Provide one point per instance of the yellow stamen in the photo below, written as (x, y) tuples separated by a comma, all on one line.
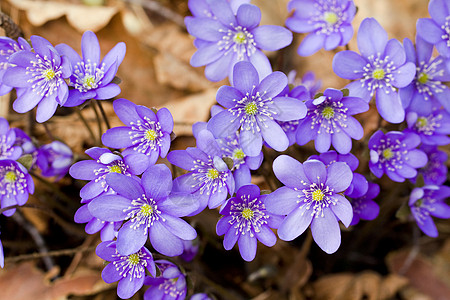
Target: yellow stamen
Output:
[(239, 38), (247, 213), (150, 135), (10, 176), (318, 195), (330, 17), (212, 173), (378, 74), (328, 112), (388, 154)]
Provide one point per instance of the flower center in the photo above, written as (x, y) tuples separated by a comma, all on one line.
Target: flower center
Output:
[(10, 176), (328, 112), (150, 135), (240, 38), (251, 108), (48, 74), (238, 154), (247, 213), (115, 169), (422, 78), (422, 122), (378, 74), (134, 259), (318, 195), (330, 17), (418, 203), (146, 210), (388, 154), (212, 173), (89, 82)]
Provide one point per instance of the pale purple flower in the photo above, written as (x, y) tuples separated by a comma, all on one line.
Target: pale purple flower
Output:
[(435, 171), (246, 221), (8, 147), (91, 78), (395, 154), (364, 208), (329, 121), (380, 68), (327, 21), (2, 256), (426, 202), (200, 296), (432, 128), (54, 159), (8, 47), (24, 141), (311, 196), (144, 132), (170, 285)]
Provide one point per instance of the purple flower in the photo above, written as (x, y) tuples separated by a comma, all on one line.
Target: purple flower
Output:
[(145, 132), (246, 221), (435, 171), (308, 80), (8, 147), (15, 185), (329, 121), (8, 47), (328, 21), (209, 179), (39, 79), (149, 209), (170, 285), (380, 68), (394, 153), (200, 296), (432, 128), (24, 141), (436, 30), (429, 201), (190, 249), (54, 159), (129, 270), (228, 38), (364, 208), (254, 107), (2, 256), (311, 196), (427, 89), (201, 8), (91, 78)]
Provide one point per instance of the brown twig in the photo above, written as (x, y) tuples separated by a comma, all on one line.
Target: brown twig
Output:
[(64, 252), (105, 118), (12, 30)]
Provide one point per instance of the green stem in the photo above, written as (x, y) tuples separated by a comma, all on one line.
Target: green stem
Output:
[(91, 133), (99, 124), (105, 118)]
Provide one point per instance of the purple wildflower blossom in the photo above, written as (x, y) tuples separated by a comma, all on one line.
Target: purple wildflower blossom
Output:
[(311, 196), (329, 121), (328, 21), (246, 221), (8, 47), (229, 38), (170, 285), (54, 159), (24, 141), (209, 179), (8, 147), (39, 79), (190, 249), (149, 209), (254, 107), (394, 153), (364, 208), (201, 8), (200, 296), (380, 68), (308, 80), (91, 78), (429, 201), (432, 128), (15, 185), (2, 256), (435, 171), (427, 89), (436, 30), (145, 132), (129, 270)]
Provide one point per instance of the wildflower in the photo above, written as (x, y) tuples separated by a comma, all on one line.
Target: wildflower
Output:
[(129, 270), (54, 159), (364, 208), (91, 78), (8, 47), (24, 141), (190, 249), (429, 201), (144, 131), (427, 88), (170, 285), (394, 153), (39, 79), (2, 256), (435, 171), (328, 21), (311, 196), (308, 81), (329, 121), (246, 222), (15, 185), (200, 296), (380, 68), (228, 38), (432, 128), (8, 147), (149, 209), (254, 107)]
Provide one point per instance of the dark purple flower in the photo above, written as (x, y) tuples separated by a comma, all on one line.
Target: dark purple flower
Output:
[(228, 38), (8, 147), (329, 121), (380, 68), (15, 185), (427, 88), (435, 171), (144, 131), (129, 270), (54, 159), (39, 79), (364, 208), (170, 285), (254, 107), (432, 128), (209, 180), (328, 21), (394, 153), (91, 78), (436, 30), (8, 47), (149, 209), (429, 201), (308, 80), (246, 221), (311, 196), (190, 249)]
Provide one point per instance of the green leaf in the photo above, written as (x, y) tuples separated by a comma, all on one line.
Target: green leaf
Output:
[(26, 161)]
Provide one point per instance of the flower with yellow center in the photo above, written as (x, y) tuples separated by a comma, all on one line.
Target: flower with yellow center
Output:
[(421, 122), (238, 154), (10, 176), (150, 135), (240, 38), (378, 74), (134, 259), (48, 74), (146, 209), (251, 108), (422, 78), (247, 213), (212, 173), (318, 195), (328, 112), (330, 17), (115, 169), (388, 154), (89, 82)]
